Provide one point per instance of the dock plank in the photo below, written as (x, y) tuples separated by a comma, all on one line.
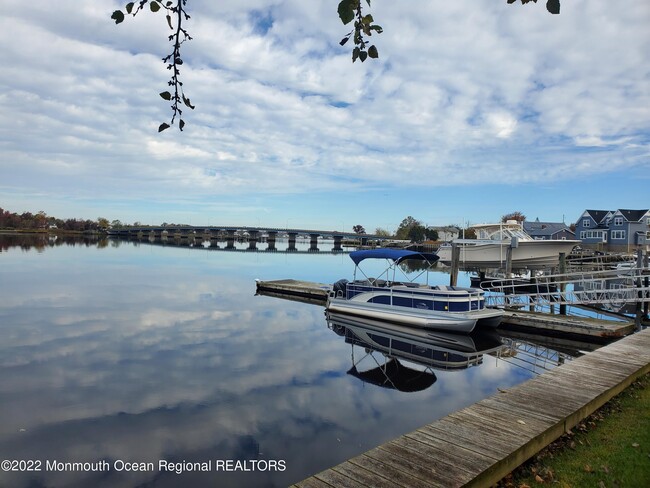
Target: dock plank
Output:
[(403, 471), (480, 444)]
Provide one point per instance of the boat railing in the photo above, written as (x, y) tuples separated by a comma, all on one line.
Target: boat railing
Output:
[(446, 297), (613, 287)]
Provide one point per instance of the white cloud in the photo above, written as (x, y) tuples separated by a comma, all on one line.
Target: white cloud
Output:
[(462, 91)]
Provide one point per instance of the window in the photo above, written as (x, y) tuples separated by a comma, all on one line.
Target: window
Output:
[(618, 234), (601, 235), (586, 223), (618, 221)]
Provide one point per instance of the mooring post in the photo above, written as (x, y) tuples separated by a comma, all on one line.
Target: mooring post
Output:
[(562, 283), (455, 262), (646, 284), (639, 308)]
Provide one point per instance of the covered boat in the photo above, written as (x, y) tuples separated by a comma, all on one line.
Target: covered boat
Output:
[(407, 302)]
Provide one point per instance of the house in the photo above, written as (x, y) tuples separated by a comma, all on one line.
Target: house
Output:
[(618, 230), (548, 230), (447, 233)]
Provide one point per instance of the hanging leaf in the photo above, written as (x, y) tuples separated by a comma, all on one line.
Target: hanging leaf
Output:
[(169, 22), (346, 11), (363, 55), (154, 6), (372, 52), (181, 124), (187, 102), (345, 39), (553, 6), (166, 95), (129, 7), (163, 126), (118, 16)]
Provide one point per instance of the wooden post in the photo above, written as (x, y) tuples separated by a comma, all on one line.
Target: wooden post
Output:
[(638, 307), (562, 284), (646, 306), (455, 262), (508, 262)]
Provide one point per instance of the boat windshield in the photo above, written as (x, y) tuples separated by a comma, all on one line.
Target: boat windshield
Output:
[(501, 234)]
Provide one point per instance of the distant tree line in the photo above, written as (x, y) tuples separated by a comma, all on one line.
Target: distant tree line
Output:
[(42, 221)]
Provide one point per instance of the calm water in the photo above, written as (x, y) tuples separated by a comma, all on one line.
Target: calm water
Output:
[(119, 352)]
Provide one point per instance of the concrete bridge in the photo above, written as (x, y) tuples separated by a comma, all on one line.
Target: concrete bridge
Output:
[(251, 234)]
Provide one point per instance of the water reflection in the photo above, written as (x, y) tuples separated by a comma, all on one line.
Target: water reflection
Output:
[(401, 348), (147, 353), (42, 241)]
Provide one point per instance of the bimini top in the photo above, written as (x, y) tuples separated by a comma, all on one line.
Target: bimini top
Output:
[(397, 255)]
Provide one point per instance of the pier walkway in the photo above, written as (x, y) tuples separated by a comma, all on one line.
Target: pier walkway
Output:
[(480, 444)]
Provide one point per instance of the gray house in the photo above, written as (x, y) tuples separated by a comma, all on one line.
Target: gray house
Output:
[(548, 230), (618, 230)]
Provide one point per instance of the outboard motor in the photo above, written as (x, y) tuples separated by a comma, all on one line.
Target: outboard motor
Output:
[(339, 287)]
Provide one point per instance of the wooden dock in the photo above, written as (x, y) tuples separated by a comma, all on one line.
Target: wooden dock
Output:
[(306, 289), (537, 322), (567, 325), (480, 444)]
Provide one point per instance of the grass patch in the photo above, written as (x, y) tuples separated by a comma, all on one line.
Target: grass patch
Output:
[(611, 448)]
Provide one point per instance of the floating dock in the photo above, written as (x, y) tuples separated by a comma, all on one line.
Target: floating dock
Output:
[(479, 445), (537, 322), (297, 288)]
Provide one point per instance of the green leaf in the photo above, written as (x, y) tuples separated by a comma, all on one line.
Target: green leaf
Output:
[(363, 55), (181, 124), (118, 16), (553, 6), (163, 126), (376, 28), (154, 6), (166, 95), (367, 19), (346, 11), (129, 7), (169, 22), (345, 39), (355, 54), (372, 52)]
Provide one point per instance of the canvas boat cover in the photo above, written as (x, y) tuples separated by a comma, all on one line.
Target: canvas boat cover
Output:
[(397, 255)]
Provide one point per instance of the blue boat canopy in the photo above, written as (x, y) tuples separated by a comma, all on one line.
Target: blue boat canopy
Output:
[(397, 255)]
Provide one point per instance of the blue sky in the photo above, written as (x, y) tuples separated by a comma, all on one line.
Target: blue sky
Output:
[(474, 109)]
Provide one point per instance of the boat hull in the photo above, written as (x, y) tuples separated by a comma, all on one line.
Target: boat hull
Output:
[(527, 254), (464, 322)]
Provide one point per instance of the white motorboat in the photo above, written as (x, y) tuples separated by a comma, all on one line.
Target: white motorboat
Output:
[(493, 243), (450, 308)]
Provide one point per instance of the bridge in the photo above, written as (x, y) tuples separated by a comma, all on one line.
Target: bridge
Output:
[(252, 234)]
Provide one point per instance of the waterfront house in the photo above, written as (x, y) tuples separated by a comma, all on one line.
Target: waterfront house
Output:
[(447, 233), (619, 230), (548, 230)]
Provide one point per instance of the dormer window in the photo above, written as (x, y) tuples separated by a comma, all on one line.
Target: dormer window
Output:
[(618, 221), (586, 223)]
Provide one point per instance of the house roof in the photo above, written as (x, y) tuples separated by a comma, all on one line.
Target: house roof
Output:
[(632, 215), (538, 228), (598, 215)]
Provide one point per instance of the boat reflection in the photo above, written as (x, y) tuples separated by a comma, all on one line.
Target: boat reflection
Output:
[(407, 357)]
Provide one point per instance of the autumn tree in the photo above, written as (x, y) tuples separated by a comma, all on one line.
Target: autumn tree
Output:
[(358, 229), (518, 216), (176, 13)]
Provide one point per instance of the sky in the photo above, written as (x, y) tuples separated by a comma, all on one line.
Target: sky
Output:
[(474, 109)]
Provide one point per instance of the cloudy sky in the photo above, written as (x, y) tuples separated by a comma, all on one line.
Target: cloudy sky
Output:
[(474, 109)]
